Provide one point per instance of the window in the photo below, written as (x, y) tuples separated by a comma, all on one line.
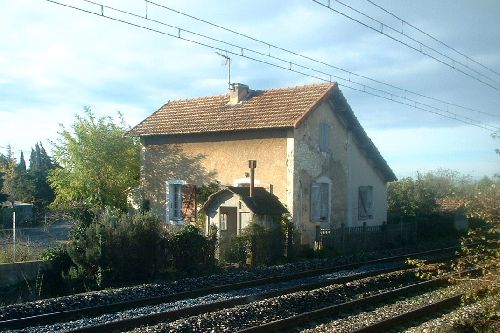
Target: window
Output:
[(365, 202), (174, 200), (245, 220), (223, 222), (320, 199), (324, 137)]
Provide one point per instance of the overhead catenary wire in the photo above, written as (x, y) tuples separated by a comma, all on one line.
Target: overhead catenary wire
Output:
[(286, 65), (421, 46), (350, 73), (432, 37)]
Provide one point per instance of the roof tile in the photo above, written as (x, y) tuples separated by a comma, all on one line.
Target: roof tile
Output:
[(274, 108)]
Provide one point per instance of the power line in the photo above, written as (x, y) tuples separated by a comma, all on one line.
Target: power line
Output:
[(286, 65), (433, 38), (350, 73), (419, 49)]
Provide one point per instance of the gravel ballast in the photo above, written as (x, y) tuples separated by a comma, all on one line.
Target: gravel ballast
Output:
[(239, 317), (471, 312), (65, 326), (104, 297), (362, 319)]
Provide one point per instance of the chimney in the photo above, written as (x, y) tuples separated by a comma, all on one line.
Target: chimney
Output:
[(252, 164), (238, 92)]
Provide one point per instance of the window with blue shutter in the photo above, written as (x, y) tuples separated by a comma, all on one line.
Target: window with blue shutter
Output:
[(365, 202), (320, 198), (324, 137)]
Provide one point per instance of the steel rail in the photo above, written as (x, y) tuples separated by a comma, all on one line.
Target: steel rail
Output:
[(219, 305), (333, 310), (306, 317), (52, 317), (409, 316)]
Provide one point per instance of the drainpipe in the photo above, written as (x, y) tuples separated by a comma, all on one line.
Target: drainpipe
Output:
[(252, 164)]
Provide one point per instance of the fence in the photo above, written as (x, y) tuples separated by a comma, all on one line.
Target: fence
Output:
[(366, 238), (29, 243)]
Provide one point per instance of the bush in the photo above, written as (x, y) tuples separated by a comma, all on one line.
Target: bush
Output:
[(191, 251), (233, 250), (116, 247), (260, 245)]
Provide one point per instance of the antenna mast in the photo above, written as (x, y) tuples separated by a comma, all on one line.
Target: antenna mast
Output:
[(228, 63)]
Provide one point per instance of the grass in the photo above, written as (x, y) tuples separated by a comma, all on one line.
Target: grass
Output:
[(25, 251)]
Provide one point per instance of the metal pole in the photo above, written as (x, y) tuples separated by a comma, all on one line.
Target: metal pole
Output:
[(14, 235)]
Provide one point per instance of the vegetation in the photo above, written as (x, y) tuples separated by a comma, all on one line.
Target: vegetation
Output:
[(113, 248), (259, 245), (98, 163), (480, 247), (19, 183)]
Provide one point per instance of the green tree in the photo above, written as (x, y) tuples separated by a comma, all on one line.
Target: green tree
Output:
[(7, 166), (19, 182), (409, 198), (98, 163), (3, 196), (40, 166)]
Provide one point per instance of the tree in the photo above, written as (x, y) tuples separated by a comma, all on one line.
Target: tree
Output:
[(40, 166), (3, 196), (98, 163), (19, 182), (408, 198), (4, 162)]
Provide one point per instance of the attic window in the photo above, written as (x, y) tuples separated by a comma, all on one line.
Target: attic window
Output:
[(324, 137), (365, 202)]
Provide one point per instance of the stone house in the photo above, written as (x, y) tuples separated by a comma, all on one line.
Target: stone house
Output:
[(312, 152)]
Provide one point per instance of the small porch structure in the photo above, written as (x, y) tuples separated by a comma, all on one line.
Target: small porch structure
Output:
[(232, 209)]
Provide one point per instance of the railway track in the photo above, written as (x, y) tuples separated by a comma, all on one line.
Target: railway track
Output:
[(183, 311), (379, 326)]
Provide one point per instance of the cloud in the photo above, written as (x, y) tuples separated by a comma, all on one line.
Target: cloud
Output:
[(55, 60)]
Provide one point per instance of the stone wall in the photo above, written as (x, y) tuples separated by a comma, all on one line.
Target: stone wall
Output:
[(11, 274), (344, 167)]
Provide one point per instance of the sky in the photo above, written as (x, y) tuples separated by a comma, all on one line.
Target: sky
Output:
[(55, 60)]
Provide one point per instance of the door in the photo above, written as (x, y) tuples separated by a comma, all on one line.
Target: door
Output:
[(228, 222)]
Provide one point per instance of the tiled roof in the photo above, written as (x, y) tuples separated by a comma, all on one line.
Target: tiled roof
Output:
[(262, 202), (450, 204), (274, 108)]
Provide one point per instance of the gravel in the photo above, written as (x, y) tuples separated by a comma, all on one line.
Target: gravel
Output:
[(475, 311), (201, 300), (104, 297), (239, 317), (360, 319)]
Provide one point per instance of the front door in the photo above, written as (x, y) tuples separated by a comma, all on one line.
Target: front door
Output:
[(228, 222)]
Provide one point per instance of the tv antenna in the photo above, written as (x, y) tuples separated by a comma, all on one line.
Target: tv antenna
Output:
[(227, 62)]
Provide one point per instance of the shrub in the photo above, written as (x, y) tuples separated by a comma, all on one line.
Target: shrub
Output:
[(116, 247), (233, 250), (192, 252), (260, 245)]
